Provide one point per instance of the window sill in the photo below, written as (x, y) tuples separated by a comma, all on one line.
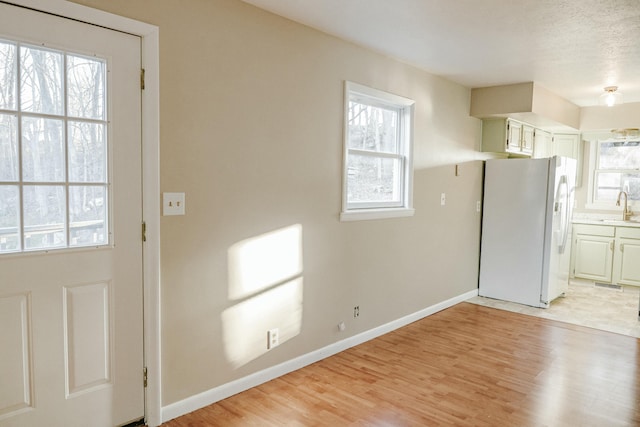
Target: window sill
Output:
[(366, 214)]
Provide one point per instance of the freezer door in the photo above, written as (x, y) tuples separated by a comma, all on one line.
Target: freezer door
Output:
[(515, 224)]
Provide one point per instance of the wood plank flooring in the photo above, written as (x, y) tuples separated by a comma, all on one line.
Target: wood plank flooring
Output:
[(465, 366)]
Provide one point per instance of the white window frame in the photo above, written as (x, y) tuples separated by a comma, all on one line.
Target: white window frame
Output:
[(594, 170), (65, 182), (405, 108)]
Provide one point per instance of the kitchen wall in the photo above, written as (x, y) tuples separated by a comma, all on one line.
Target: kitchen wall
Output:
[(251, 131)]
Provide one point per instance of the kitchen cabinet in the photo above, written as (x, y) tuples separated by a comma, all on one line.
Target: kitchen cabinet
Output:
[(542, 144), (569, 145), (526, 139), (607, 254), (593, 252), (518, 139), (514, 130), (626, 268), (507, 136)]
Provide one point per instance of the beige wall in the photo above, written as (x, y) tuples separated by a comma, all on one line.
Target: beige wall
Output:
[(606, 118), (251, 130)]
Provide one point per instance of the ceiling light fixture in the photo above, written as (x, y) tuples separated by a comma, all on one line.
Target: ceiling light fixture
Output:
[(628, 133), (611, 96)]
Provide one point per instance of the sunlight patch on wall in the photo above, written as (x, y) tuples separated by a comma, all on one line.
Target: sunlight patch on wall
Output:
[(261, 262), (266, 285)]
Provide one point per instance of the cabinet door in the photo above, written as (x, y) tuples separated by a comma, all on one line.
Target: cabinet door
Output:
[(566, 145), (513, 136), (526, 141), (594, 257), (569, 145), (541, 144), (628, 261)]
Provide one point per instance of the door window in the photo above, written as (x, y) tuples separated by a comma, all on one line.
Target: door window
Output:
[(53, 149)]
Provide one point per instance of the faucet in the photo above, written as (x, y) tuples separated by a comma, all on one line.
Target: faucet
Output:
[(626, 212)]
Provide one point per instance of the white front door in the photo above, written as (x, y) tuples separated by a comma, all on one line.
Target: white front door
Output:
[(71, 333)]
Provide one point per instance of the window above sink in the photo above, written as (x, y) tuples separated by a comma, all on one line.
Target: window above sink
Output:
[(614, 167)]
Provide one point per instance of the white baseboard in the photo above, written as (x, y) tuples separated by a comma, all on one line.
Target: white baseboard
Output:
[(208, 397)]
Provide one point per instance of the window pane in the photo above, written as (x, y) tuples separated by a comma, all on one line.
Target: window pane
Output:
[(85, 81), (8, 77), (87, 152), (44, 216), (88, 215), (42, 150), (620, 155), (8, 148), (373, 179), (41, 77), (609, 184), (9, 218), (373, 128)]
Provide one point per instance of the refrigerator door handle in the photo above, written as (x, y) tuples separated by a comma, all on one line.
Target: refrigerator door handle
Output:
[(561, 208)]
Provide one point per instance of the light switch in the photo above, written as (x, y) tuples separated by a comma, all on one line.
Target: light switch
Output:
[(443, 199), (172, 204)]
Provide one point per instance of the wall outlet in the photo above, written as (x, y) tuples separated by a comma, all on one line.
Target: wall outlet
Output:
[(273, 338), (342, 326), (356, 311), (173, 204)]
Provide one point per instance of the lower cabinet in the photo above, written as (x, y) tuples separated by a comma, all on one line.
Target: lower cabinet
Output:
[(593, 252), (606, 254), (626, 264)]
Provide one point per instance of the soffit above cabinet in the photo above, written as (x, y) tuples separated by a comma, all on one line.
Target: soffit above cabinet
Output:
[(528, 102)]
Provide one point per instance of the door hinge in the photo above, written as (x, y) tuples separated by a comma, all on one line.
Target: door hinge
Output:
[(145, 376), (142, 79), (144, 231)]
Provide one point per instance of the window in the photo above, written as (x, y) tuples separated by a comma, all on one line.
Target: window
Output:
[(617, 169), (53, 149), (377, 157)]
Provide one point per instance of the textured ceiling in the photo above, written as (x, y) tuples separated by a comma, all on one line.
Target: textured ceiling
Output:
[(571, 47)]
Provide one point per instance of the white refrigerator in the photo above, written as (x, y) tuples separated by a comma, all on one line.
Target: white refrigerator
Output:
[(526, 226)]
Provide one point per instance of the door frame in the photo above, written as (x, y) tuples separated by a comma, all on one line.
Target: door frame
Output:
[(150, 59)]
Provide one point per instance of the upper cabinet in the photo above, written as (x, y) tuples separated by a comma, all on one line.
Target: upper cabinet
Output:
[(518, 139), (542, 144), (569, 145), (526, 139), (507, 136)]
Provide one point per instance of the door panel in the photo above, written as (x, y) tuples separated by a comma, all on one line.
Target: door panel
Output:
[(16, 395), (71, 319), (628, 265), (594, 257)]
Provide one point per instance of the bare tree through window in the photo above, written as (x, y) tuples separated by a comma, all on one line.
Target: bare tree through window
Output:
[(53, 149)]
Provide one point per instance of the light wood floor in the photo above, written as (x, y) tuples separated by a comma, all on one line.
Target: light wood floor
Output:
[(467, 366)]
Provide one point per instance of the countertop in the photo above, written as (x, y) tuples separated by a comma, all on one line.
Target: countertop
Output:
[(607, 221)]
